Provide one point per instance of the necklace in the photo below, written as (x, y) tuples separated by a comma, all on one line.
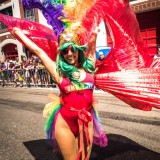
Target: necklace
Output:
[(76, 75)]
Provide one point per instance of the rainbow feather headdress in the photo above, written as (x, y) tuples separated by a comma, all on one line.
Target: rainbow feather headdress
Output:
[(65, 17)]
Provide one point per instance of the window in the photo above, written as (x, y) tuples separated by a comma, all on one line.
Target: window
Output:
[(2, 26), (29, 14), (6, 11)]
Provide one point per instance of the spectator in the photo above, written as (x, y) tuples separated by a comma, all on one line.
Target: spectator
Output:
[(23, 59), (158, 53), (17, 63), (20, 78), (41, 72), (15, 77), (27, 73), (2, 73), (101, 56), (34, 72)]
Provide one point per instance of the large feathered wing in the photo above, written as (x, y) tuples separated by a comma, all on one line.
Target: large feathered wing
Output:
[(39, 34), (126, 72)]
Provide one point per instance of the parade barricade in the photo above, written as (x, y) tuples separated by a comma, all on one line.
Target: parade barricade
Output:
[(26, 77)]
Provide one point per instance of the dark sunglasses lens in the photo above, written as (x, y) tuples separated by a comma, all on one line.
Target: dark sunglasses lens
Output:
[(65, 51), (72, 49)]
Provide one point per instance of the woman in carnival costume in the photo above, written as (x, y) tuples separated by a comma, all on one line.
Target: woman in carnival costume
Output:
[(68, 53), (72, 119), (72, 116)]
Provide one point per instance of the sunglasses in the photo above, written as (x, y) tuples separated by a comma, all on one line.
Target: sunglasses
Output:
[(65, 51)]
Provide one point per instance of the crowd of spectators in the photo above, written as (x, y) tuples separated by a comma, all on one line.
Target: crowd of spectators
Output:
[(31, 71), (25, 72)]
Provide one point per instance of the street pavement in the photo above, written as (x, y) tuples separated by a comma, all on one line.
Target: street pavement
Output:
[(132, 134), (105, 102)]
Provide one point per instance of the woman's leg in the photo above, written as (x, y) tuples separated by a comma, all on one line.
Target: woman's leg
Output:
[(65, 139)]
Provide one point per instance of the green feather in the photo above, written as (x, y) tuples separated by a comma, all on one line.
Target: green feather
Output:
[(51, 117)]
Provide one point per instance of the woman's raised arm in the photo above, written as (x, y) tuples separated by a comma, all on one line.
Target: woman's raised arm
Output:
[(48, 63)]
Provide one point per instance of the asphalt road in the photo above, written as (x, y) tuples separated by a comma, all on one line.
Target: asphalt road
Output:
[(132, 134)]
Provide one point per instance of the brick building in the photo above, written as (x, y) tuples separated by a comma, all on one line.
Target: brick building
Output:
[(147, 12)]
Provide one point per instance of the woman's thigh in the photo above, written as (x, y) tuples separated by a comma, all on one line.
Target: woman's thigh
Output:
[(65, 139)]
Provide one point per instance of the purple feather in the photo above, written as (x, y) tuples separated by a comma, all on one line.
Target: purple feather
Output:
[(50, 12)]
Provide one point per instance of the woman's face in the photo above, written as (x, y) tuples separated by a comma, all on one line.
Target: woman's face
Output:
[(69, 56)]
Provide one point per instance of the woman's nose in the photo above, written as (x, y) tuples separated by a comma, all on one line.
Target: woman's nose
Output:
[(70, 52)]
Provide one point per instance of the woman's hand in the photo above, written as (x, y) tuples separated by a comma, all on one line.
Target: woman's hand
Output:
[(96, 30), (92, 44)]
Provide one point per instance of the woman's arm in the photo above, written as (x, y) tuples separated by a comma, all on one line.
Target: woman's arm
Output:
[(48, 63)]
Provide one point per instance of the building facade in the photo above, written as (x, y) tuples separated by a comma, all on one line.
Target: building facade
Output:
[(148, 16), (147, 12), (10, 48)]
